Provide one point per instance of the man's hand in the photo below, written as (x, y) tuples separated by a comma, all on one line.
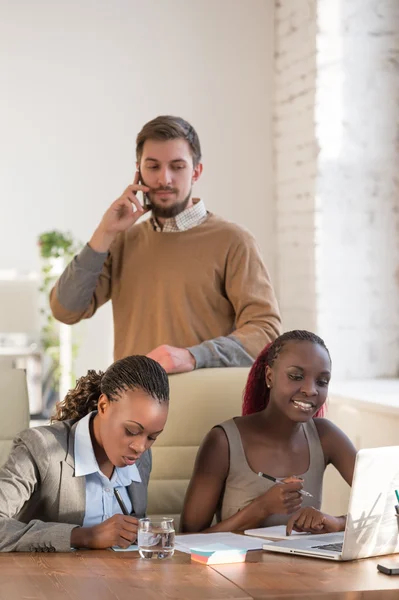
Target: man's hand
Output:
[(121, 215), (314, 521), (119, 530), (173, 360)]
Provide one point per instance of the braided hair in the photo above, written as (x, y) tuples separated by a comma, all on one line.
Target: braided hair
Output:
[(130, 373), (256, 393)]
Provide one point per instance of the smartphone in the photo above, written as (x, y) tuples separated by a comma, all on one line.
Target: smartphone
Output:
[(389, 568), (145, 200)]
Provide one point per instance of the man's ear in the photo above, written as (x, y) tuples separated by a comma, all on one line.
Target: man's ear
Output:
[(197, 172)]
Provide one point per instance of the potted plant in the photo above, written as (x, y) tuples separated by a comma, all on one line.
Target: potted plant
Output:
[(56, 250)]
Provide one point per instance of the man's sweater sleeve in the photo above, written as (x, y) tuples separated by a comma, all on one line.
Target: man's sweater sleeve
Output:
[(257, 321), (223, 351), (83, 287)]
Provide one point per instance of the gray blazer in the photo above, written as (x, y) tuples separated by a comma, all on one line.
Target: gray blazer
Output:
[(41, 500)]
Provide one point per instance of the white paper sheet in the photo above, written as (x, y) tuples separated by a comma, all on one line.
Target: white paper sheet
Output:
[(131, 548), (277, 532), (193, 540)]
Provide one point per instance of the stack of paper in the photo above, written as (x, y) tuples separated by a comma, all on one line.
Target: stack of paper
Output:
[(184, 543), (216, 554)]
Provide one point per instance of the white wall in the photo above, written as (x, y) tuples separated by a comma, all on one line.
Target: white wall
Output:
[(336, 178), (358, 185), (295, 152), (79, 80)]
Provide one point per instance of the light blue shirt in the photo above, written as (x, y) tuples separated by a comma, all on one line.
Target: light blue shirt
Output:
[(101, 503)]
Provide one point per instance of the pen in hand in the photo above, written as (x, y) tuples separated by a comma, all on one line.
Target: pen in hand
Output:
[(120, 502), (123, 509), (278, 480)]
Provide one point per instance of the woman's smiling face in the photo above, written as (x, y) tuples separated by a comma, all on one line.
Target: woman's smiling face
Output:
[(298, 380)]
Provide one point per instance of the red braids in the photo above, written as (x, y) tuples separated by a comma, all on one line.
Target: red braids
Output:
[(256, 393)]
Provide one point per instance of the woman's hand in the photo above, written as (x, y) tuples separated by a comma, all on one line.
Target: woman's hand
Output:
[(281, 499), (314, 521), (119, 530)]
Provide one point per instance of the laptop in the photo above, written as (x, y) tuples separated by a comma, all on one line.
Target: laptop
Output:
[(372, 525)]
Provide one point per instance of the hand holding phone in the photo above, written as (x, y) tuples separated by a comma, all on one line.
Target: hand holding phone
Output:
[(120, 216), (145, 200)]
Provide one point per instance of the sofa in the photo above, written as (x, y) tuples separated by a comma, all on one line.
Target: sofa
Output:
[(198, 401)]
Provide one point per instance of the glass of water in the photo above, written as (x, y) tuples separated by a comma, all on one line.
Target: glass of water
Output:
[(156, 537)]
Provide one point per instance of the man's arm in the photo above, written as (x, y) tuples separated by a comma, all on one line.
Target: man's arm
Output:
[(219, 352), (223, 351), (19, 479), (84, 286), (249, 289), (86, 282)]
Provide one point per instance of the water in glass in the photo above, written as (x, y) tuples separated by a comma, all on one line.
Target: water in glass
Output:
[(156, 538)]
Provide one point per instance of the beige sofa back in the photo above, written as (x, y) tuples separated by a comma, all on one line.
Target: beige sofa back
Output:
[(198, 401), (15, 407)]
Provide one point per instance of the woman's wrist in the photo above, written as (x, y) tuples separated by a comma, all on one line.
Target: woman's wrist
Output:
[(260, 508), (253, 514), (80, 537), (341, 522)]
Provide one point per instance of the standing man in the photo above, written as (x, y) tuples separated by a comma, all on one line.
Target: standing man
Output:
[(188, 288)]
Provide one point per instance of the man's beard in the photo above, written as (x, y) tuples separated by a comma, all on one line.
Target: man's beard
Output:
[(168, 212)]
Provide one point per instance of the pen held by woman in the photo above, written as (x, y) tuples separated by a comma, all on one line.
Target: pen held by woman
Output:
[(278, 480), (120, 502)]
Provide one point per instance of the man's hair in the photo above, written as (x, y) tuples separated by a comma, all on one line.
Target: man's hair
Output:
[(166, 128)]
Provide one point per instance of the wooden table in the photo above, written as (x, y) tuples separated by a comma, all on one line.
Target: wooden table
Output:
[(268, 575), (105, 575)]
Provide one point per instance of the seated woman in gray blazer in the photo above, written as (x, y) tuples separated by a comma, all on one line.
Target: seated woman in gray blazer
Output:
[(66, 485)]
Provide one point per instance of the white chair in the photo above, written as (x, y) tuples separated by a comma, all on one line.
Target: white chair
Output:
[(15, 408)]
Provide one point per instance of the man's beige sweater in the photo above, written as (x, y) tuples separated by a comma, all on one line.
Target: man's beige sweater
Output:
[(180, 288)]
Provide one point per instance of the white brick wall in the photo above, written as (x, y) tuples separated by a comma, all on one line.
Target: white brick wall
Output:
[(295, 165), (337, 211), (358, 186)]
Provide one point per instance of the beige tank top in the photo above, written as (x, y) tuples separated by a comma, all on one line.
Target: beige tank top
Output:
[(244, 485)]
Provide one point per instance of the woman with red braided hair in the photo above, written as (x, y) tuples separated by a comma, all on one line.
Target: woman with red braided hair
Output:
[(282, 432)]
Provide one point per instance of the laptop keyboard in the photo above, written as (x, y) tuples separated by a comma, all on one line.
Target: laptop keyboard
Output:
[(333, 547)]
